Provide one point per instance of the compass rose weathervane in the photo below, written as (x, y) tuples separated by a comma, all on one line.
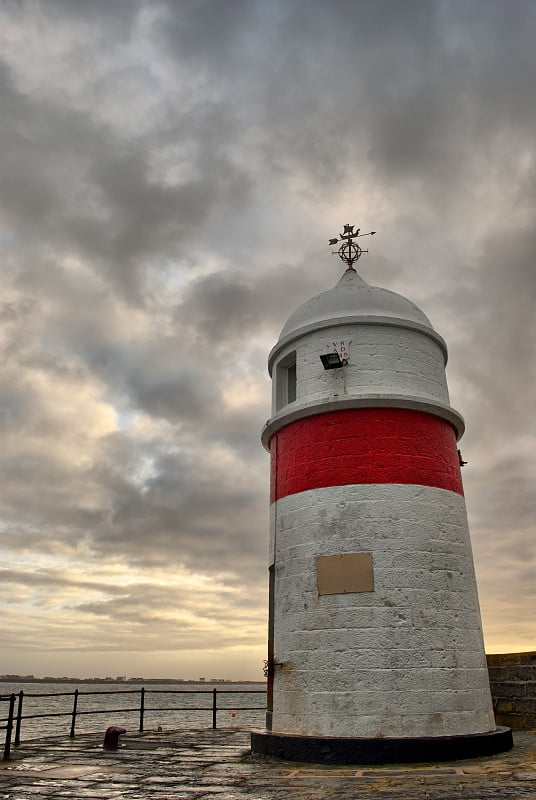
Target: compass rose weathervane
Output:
[(349, 251)]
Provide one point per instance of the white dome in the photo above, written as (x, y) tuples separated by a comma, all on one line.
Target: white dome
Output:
[(353, 297)]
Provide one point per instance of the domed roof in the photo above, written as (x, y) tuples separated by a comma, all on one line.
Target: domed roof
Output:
[(353, 297)]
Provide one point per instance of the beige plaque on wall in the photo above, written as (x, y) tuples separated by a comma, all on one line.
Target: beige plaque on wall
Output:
[(347, 572)]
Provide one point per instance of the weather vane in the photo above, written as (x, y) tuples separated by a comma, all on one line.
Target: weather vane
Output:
[(349, 251)]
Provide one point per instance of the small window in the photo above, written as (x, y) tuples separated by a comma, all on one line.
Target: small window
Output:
[(291, 383), (285, 376)]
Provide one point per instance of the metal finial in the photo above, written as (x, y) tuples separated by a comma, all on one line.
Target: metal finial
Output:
[(349, 251)]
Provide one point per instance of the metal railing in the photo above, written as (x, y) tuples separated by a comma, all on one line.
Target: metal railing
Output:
[(14, 718)]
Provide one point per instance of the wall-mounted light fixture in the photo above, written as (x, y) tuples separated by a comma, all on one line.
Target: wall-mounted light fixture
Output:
[(332, 361)]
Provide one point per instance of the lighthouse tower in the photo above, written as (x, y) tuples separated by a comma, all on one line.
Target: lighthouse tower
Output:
[(375, 641)]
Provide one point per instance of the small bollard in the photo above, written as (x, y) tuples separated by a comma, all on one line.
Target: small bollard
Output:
[(111, 737)]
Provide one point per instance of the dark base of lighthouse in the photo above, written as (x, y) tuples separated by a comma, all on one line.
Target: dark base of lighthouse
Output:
[(333, 750)]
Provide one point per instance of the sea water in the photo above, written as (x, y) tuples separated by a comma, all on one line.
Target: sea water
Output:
[(120, 705)]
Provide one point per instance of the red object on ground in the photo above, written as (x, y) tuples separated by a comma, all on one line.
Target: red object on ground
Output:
[(111, 737)]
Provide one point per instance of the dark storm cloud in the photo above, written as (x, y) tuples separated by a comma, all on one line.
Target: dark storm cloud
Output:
[(85, 188), (414, 83), (189, 508), (223, 306), (170, 175)]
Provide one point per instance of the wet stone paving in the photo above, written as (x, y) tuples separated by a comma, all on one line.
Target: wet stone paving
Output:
[(218, 765)]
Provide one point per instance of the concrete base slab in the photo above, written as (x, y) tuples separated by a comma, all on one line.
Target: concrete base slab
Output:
[(331, 750)]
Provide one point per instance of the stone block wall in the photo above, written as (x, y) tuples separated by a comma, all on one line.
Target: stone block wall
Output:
[(414, 643), (513, 689)]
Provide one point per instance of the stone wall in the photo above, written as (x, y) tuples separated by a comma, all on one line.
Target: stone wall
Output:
[(513, 689), (415, 642)]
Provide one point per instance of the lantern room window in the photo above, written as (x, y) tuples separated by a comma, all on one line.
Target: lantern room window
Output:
[(286, 380)]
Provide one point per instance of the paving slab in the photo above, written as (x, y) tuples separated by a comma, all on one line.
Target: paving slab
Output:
[(218, 765)]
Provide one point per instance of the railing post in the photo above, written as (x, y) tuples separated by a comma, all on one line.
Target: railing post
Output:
[(73, 720), (9, 726), (19, 718), (214, 708), (142, 708)]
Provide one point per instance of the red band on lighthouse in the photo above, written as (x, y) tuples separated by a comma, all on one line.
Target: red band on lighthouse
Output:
[(365, 445)]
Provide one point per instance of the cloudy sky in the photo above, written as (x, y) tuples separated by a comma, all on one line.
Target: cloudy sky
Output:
[(170, 173)]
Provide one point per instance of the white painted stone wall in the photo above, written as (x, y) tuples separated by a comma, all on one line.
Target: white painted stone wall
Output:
[(382, 359), (404, 660)]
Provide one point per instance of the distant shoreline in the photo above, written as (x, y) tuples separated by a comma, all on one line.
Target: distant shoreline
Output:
[(121, 682)]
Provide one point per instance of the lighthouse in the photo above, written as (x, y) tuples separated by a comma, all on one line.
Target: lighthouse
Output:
[(375, 648)]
